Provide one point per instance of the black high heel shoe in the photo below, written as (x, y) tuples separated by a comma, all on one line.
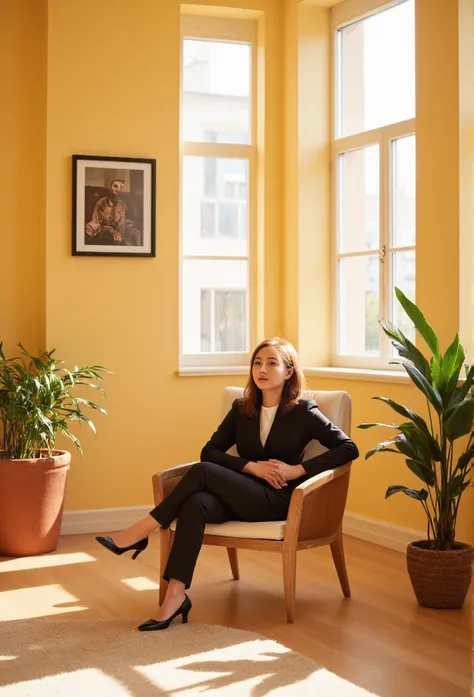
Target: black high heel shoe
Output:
[(109, 544), (155, 625)]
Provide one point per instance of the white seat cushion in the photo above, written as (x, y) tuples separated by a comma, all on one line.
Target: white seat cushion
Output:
[(267, 530)]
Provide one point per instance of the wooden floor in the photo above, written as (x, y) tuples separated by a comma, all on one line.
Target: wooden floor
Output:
[(380, 639)]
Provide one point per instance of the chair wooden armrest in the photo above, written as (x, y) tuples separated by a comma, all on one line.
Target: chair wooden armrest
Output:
[(317, 507), (319, 480), (165, 481)]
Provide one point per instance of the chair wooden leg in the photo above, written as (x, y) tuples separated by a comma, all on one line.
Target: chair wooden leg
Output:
[(289, 580), (165, 547), (234, 562), (337, 550)]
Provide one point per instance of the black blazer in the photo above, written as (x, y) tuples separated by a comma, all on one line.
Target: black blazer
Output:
[(290, 433)]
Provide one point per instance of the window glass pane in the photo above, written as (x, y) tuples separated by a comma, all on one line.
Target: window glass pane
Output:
[(228, 220), (210, 177), (403, 275), (359, 200), (214, 220), (216, 91), (208, 219), (403, 192), (358, 311), (214, 313), (377, 70), (230, 312)]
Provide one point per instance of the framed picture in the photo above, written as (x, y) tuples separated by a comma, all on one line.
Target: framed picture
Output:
[(113, 211)]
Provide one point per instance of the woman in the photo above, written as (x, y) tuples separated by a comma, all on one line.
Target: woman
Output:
[(271, 425)]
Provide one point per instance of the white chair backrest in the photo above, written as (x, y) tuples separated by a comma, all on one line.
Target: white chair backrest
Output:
[(335, 405)]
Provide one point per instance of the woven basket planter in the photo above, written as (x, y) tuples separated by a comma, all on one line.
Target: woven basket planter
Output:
[(440, 579)]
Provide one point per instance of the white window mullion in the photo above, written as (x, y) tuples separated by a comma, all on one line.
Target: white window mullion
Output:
[(385, 257), (253, 213)]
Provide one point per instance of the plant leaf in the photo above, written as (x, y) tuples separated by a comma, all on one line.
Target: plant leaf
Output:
[(422, 383), (461, 392), (406, 349), (405, 447), (460, 422), (404, 411), (370, 425), (465, 459), (435, 368), (420, 322), (456, 486), (382, 447), (422, 471), (420, 495), (451, 365)]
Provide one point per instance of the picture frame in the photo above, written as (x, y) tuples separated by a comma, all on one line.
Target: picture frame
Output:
[(113, 206)]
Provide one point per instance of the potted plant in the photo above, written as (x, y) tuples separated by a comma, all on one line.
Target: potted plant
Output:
[(39, 398), (439, 450)]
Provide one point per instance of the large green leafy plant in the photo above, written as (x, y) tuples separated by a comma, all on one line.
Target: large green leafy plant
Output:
[(429, 446), (40, 398)]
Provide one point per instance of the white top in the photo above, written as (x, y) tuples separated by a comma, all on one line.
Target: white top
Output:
[(267, 416)]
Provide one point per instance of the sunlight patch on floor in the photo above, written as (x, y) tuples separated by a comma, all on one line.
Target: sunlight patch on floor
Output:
[(254, 667), (141, 583), (82, 682), (26, 603), (44, 561)]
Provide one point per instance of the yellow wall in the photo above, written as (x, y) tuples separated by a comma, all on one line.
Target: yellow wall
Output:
[(466, 170), (23, 26), (113, 89), (306, 187)]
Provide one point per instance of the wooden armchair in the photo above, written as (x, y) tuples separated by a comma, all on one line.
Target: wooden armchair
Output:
[(314, 516)]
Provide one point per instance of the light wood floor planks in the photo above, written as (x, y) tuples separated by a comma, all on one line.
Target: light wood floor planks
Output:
[(380, 639)]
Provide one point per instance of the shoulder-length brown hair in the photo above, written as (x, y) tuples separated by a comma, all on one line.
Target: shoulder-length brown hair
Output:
[(294, 387)]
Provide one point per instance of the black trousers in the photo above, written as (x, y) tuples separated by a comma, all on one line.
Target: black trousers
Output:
[(210, 493)]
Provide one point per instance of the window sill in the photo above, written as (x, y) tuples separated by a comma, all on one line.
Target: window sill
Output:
[(197, 371), (322, 372), (359, 374)]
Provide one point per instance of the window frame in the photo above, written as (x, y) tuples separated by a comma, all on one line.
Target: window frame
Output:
[(239, 31), (383, 137)]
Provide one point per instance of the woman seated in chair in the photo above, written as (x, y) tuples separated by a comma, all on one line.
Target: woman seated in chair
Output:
[(270, 426)]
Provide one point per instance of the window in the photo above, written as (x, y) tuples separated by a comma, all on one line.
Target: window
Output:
[(218, 156), (374, 172)]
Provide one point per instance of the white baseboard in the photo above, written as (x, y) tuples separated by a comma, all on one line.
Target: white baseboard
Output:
[(109, 519), (102, 519), (379, 532)]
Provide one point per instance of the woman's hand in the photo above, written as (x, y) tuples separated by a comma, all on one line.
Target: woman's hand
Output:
[(267, 470), (289, 472)]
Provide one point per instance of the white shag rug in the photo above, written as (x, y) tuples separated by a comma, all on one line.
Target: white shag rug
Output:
[(103, 658)]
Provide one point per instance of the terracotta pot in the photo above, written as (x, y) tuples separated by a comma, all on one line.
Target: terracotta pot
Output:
[(440, 579), (31, 503)]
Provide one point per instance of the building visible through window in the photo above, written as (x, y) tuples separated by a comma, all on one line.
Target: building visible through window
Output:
[(223, 320)]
